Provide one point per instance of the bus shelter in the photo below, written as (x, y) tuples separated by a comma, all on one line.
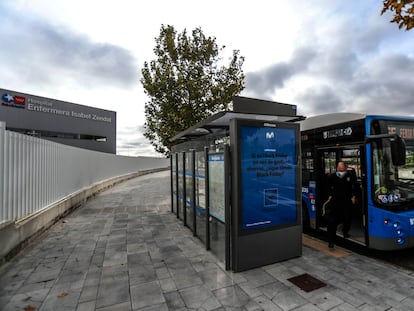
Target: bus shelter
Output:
[(235, 183)]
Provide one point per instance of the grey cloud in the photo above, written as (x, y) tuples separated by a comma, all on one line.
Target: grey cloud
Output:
[(131, 142), (265, 82), (384, 87), (322, 99), (354, 71), (42, 53), (134, 147), (375, 33), (131, 130), (337, 64)]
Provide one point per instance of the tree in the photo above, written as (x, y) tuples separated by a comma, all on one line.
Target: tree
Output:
[(403, 12), (186, 83)]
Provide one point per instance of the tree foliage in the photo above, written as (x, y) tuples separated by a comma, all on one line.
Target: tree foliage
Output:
[(187, 82), (403, 12)]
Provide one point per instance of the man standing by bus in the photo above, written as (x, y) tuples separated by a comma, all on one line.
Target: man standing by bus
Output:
[(342, 198)]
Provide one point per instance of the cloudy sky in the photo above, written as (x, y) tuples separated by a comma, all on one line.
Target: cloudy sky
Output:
[(321, 55)]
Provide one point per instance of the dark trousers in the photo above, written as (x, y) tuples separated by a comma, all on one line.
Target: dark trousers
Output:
[(347, 219), (341, 213)]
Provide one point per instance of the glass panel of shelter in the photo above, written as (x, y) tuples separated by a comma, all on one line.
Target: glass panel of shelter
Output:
[(189, 204), (191, 190), (174, 183), (181, 185), (200, 195), (217, 188)]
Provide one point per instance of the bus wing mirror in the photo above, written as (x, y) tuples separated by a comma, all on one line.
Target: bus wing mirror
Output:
[(397, 151), (397, 147)]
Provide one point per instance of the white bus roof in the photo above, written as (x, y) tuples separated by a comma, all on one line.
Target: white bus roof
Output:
[(329, 119)]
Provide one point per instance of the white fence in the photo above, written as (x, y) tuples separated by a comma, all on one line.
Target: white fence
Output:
[(35, 173)]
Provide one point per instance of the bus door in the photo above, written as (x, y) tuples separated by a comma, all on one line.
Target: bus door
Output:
[(327, 161), (353, 157), (325, 165)]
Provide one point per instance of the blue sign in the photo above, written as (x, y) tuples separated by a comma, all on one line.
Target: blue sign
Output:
[(268, 176)]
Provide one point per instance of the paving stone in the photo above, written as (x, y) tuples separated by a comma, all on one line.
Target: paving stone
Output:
[(272, 289), (43, 276), (257, 277), (93, 277), (394, 294), (72, 277), (250, 290), (288, 300), (325, 300), (196, 297), (343, 307), (281, 273), (35, 286), (184, 278), (201, 264), (373, 307), (162, 273), (125, 250), (117, 273), (167, 285), (215, 278), (232, 296), (20, 301), (4, 300), (136, 247), (174, 300), (146, 294), (160, 307), (114, 258), (86, 306), (125, 306), (351, 298), (111, 293), (237, 277), (309, 307), (61, 300), (138, 259), (266, 304), (88, 293), (252, 306), (142, 274)]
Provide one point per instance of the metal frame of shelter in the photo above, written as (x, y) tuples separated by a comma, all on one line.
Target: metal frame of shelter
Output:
[(209, 180)]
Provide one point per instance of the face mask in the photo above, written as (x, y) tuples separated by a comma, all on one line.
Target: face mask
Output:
[(340, 174)]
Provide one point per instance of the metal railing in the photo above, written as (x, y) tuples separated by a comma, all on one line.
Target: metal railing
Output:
[(35, 173)]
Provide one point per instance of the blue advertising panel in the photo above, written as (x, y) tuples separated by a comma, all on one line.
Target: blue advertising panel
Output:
[(268, 176)]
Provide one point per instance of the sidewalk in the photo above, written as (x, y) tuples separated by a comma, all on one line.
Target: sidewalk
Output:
[(125, 250)]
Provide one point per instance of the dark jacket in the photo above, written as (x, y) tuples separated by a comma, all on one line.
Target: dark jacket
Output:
[(341, 188)]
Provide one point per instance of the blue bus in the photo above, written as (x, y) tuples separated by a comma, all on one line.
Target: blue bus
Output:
[(380, 152)]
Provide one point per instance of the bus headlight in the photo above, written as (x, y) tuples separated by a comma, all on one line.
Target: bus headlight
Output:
[(400, 241), (396, 224)]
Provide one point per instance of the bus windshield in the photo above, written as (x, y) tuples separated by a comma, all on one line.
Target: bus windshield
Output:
[(393, 185)]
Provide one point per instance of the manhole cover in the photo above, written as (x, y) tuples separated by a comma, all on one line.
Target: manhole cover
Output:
[(307, 282)]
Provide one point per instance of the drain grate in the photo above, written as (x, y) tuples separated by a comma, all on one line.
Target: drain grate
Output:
[(306, 282)]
